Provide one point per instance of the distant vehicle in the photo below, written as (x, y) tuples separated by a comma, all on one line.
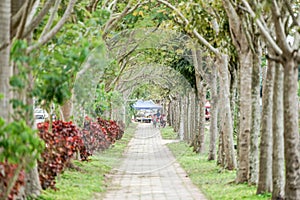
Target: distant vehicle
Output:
[(144, 116), (40, 115)]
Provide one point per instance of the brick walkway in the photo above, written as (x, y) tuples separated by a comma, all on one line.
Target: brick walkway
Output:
[(150, 171)]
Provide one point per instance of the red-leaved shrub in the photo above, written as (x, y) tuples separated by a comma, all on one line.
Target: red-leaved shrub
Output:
[(7, 172), (66, 139), (112, 128), (61, 144), (95, 139)]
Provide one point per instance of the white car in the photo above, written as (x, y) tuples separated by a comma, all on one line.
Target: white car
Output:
[(40, 115)]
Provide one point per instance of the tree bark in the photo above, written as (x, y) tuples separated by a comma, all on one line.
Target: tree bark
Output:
[(67, 110), (255, 123), (291, 129), (181, 119), (185, 118), (278, 139), (245, 59), (177, 116), (213, 131), (5, 68), (265, 161), (32, 183), (6, 71), (221, 159), (198, 143), (202, 120), (226, 127)]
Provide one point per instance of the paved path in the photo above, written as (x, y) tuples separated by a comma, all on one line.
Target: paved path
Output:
[(150, 171)]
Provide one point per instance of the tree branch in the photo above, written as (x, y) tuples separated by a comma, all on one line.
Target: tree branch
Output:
[(195, 32), (113, 21), (263, 29), (37, 20), (279, 28), (17, 17), (51, 18), (91, 7), (33, 12), (55, 29), (28, 6), (296, 21)]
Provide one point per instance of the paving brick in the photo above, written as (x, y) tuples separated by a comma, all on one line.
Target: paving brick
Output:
[(149, 171)]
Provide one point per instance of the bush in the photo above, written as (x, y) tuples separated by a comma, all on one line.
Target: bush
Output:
[(61, 144), (7, 173), (66, 139), (95, 139), (113, 130)]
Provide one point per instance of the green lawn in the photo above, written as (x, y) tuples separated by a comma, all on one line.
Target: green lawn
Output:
[(91, 179), (167, 133), (212, 180)]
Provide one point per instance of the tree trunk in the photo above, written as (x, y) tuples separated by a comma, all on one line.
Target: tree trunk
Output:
[(245, 59), (177, 116), (221, 158), (198, 142), (291, 129), (170, 114), (213, 131), (197, 118), (6, 71), (67, 110), (241, 43), (226, 127), (181, 120), (32, 183), (193, 114), (265, 161), (202, 120), (5, 68), (201, 95), (278, 139), (33, 186), (186, 114), (255, 123)]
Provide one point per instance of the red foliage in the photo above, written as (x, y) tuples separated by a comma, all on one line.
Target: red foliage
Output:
[(95, 139), (114, 132), (61, 144), (65, 139), (7, 171)]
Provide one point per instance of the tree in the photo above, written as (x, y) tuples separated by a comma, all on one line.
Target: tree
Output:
[(265, 171), (222, 63), (6, 69), (288, 55), (256, 110), (245, 61), (24, 19), (278, 140), (201, 86)]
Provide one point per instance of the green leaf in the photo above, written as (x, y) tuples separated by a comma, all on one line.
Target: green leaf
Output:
[(17, 82)]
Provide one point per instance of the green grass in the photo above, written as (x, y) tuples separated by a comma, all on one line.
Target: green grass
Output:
[(91, 179), (212, 180), (167, 133)]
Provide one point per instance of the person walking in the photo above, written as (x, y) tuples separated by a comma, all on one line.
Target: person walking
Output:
[(154, 120)]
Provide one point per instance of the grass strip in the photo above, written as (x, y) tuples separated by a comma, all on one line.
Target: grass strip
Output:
[(215, 182), (167, 133), (90, 179)]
